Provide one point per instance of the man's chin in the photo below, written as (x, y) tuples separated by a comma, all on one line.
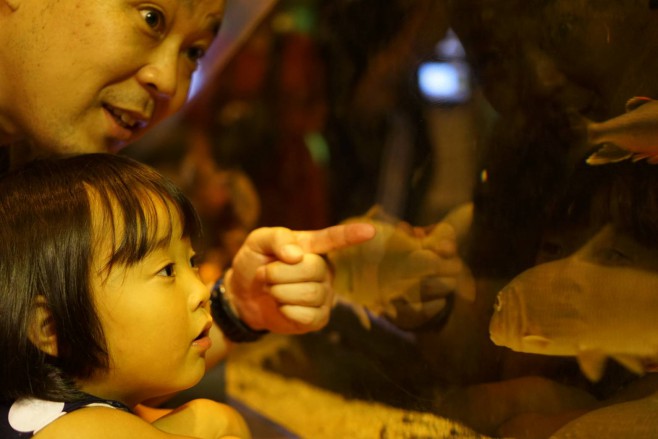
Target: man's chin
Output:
[(87, 146)]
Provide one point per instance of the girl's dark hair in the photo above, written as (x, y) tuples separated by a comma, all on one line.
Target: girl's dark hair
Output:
[(47, 247)]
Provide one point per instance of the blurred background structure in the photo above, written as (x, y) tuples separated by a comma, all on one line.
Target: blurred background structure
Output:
[(309, 112)]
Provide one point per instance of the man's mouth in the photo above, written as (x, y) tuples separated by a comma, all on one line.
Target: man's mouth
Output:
[(128, 120)]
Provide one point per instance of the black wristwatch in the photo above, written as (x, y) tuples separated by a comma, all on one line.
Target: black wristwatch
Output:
[(233, 328)]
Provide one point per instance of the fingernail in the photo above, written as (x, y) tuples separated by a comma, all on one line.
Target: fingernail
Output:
[(370, 231)]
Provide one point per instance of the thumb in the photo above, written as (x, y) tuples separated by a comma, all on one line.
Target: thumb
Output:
[(278, 242)]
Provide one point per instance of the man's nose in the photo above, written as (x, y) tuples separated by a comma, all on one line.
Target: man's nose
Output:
[(161, 76)]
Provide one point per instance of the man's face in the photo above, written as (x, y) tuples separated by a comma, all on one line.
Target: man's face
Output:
[(94, 75)]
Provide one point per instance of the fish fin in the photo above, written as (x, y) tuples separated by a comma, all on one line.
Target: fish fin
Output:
[(363, 317), (631, 363), (538, 341), (636, 101), (608, 153), (374, 210), (359, 311), (652, 160), (592, 364), (639, 157), (651, 367), (377, 213)]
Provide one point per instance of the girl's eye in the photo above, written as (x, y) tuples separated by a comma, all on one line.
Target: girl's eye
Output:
[(167, 271), (194, 261), (154, 19)]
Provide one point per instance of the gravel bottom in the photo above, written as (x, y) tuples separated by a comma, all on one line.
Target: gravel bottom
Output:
[(311, 412)]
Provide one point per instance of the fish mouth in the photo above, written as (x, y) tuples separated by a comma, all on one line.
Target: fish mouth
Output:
[(507, 325), (497, 327)]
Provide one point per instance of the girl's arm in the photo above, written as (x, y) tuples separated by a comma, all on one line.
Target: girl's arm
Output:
[(206, 419), (200, 419)]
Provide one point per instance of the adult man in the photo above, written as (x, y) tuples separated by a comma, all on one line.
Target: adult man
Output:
[(94, 75)]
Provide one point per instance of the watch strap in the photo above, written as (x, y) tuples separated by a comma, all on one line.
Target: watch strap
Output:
[(233, 328)]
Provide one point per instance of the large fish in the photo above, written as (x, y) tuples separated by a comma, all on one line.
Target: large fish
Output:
[(398, 264), (600, 302), (634, 419), (633, 135)]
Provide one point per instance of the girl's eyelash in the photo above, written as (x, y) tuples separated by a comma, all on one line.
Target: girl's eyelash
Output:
[(194, 261), (167, 270)]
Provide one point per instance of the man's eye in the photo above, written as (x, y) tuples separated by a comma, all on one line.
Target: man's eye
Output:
[(196, 53), (154, 19), (167, 271)]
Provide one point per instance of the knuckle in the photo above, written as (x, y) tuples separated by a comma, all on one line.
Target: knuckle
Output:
[(309, 294), (315, 294), (317, 266)]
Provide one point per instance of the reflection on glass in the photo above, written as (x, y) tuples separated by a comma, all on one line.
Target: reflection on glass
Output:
[(423, 108)]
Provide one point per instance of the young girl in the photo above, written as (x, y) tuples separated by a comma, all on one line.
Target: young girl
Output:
[(101, 306)]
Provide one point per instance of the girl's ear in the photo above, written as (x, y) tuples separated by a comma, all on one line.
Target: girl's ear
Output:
[(42, 328)]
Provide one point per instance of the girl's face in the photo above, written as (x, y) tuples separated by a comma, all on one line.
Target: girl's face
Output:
[(155, 316)]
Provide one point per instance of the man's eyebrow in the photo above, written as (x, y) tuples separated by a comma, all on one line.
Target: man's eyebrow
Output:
[(189, 4), (215, 25), (215, 19)]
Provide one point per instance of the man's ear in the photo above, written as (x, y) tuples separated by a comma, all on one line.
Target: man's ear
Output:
[(42, 331)]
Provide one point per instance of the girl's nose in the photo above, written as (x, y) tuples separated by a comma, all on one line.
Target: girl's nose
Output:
[(199, 293)]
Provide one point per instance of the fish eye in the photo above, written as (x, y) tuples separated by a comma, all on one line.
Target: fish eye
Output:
[(498, 305)]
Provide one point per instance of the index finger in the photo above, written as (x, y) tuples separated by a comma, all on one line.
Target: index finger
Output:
[(335, 237)]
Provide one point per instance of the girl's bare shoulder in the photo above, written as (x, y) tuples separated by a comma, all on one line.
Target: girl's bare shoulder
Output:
[(202, 419), (102, 423)]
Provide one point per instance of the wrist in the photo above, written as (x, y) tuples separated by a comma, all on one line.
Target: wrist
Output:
[(225, 315)]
